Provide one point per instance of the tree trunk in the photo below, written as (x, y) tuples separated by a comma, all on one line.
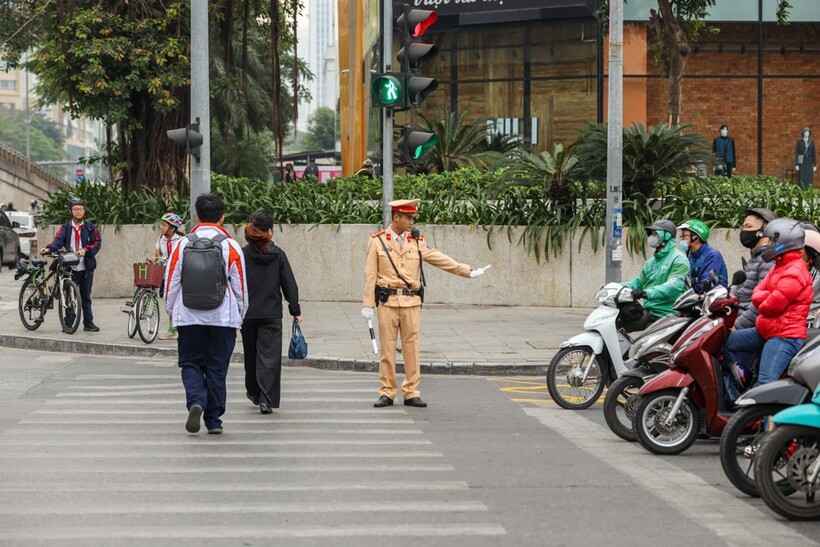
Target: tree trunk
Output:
[(675, 41), (153, 160)]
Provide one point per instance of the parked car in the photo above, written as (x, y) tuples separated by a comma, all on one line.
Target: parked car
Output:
[(27, 229), (9, 242)]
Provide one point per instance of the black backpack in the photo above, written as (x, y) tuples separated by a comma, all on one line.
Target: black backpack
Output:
[(204, 276)]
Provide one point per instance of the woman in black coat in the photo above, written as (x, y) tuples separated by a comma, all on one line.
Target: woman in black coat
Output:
[(269, 277)]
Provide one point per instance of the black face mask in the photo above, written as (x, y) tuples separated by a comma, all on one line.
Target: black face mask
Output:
[(749, 238)]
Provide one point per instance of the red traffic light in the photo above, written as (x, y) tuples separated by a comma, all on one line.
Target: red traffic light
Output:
[(418, 21)]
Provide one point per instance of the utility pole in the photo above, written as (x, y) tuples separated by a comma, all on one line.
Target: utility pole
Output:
[(28, 114), (614, 159), (387, 120), (200, 100)]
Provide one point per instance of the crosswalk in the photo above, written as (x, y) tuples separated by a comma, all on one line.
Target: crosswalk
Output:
[(106, 461)]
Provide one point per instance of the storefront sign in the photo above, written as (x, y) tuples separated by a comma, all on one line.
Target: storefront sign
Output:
[(457, 7)]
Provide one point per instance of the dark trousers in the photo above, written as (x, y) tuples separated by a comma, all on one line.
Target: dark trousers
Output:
[(262, 342), (84, 281), (204, 354)]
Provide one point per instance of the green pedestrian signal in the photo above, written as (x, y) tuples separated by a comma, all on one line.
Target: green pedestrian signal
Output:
[(388, 90)]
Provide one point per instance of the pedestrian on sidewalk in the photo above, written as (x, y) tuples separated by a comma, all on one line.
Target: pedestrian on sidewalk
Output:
[(82, 237), (393, 279), (207, 295), (269, 277), (170, 232)]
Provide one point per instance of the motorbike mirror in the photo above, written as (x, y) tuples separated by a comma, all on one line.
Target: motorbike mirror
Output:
[(738, 278)]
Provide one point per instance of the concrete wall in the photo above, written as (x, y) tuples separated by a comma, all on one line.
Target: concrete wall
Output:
[(22, 181), (329, 264)]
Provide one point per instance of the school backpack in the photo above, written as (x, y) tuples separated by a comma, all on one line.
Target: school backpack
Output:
[(204, 276)]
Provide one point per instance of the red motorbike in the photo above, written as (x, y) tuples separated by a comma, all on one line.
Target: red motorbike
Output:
[(689, 396)]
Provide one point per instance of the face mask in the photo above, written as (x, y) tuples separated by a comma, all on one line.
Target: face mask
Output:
[(724, 132), (749, 238), (653, 242), (806, 134), (684, 245)]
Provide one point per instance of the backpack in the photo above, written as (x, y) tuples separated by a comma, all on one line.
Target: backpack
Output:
[(204, 277)]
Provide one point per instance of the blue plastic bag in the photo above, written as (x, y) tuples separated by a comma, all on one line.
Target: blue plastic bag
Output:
[(298, 346)]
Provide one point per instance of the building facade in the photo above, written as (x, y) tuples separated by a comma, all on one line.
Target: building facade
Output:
[(322, 45), (539, 70)]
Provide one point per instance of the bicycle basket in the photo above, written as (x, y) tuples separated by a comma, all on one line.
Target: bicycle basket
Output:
[(148, 275), (70, 259)]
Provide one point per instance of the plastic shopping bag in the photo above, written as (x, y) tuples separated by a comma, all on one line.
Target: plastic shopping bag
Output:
[(298, 346)]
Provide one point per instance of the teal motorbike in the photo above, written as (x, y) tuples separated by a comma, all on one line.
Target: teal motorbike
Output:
[(787, 465)]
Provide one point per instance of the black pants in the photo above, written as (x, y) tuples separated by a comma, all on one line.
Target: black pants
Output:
[(262, 342), (84, 281), (204, 355)]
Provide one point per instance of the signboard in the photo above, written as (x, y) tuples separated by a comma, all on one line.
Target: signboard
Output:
[(459, 7)]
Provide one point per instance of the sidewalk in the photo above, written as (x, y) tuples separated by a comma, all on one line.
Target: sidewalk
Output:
[(487, 340)]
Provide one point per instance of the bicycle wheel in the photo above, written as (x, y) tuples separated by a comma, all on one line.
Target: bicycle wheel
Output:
[(147, 312), (69, 308), (132, 315), (30, 305)]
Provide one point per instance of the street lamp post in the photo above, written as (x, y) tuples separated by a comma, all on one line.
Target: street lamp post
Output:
[(614, 159), (200, 103)]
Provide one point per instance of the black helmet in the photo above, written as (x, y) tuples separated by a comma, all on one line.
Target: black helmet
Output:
[(766, 214), (785, 235), (75, 201), (662, 225)]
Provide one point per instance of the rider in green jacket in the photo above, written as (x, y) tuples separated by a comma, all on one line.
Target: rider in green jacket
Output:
[(663, 277)]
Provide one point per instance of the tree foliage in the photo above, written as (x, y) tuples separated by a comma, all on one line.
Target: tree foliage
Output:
[(675, 28), (126, 62), (321, 130), (46, 142)]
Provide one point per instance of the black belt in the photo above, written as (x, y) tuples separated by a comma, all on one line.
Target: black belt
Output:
[(402, 292)]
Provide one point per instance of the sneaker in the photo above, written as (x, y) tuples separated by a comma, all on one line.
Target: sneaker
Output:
[(170, 335), (215, 431), (91, 327), (192, 425)]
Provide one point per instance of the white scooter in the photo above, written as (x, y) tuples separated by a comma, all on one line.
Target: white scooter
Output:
[(586, 363)]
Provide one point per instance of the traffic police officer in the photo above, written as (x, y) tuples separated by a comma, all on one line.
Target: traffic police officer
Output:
[(392, 281)]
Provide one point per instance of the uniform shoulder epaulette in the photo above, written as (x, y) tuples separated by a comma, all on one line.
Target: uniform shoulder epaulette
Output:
[(377, 234)]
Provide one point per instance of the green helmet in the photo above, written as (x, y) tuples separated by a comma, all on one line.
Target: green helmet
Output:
[(698, 227)]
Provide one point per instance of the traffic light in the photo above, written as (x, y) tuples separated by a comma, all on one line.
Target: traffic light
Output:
[(388, 90), (414, 144), (189, 137), (412, 24)]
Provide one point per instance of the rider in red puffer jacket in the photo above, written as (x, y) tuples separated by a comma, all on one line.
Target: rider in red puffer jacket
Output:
[(783, 299)]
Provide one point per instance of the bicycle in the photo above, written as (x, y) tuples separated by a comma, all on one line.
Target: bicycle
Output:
[(37, 295), (143, 309)]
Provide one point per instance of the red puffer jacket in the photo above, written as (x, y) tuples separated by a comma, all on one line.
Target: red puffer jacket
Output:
[(783, 298)]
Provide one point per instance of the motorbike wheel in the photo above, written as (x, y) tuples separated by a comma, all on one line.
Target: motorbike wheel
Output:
[(565, 374), (789, 451), (746, 429), (652, 431), (620, 403)]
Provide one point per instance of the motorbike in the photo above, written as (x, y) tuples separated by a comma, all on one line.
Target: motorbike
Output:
[(668, 417), (791, 454), (742, 437), (586, 363), (648, 357)]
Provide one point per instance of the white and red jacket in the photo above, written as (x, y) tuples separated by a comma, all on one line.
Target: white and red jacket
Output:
[(235, 303)]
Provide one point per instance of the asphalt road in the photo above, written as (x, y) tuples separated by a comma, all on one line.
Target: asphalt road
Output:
[(93, 452)]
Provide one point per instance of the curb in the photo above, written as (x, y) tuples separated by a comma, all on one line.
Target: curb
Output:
[(329, 363)]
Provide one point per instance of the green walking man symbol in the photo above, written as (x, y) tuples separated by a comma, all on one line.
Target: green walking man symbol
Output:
[(391, 92)]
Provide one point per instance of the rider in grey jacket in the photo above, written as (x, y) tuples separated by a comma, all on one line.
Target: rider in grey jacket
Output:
[(751, 236)]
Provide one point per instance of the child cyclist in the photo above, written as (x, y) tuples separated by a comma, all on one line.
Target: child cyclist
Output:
[(170, 229)]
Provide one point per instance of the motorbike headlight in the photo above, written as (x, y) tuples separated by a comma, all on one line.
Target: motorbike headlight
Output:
[(601, 295), (647, 341)]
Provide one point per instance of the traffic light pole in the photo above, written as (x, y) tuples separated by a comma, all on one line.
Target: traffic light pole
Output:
[(387, 124), (200, 104), (614, 159)]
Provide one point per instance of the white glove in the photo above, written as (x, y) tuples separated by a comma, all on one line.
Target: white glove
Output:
[(367, 313), (797, 168), (813, 169), (479, 271)]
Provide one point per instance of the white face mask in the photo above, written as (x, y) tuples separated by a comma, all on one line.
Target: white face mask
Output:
[(806, 135), (653, 242), (724, 132)]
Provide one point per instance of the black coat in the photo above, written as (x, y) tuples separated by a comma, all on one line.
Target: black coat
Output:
[(269, 277)]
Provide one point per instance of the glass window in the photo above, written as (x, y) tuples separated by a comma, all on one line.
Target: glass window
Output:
[(4, 221), (723, 10), (9, 85), (491, 54), (559, 107)]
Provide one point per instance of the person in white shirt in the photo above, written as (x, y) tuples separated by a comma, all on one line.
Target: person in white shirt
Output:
[(170, 228)]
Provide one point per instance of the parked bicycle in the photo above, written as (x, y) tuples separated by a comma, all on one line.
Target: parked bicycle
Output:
[(39, 291), (143, 309)]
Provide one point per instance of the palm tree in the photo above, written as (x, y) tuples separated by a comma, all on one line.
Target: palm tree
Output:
[(554, 172), (460, 143)]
